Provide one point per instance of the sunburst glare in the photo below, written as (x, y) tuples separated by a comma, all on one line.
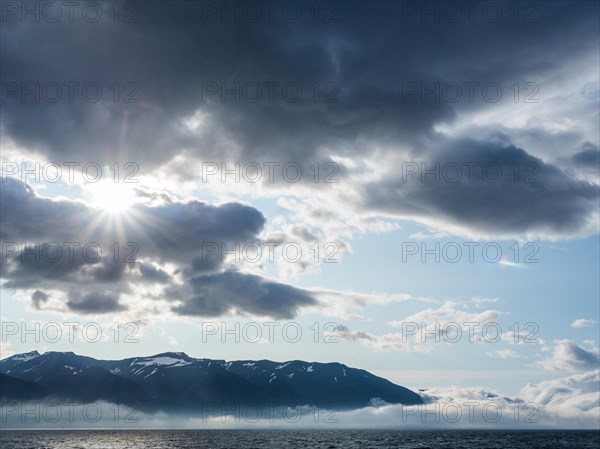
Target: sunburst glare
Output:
[(111, 197)]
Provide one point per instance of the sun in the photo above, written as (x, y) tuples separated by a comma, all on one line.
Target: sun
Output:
[(112, 197)]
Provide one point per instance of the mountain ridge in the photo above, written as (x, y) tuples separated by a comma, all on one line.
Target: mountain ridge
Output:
[(176, 382)]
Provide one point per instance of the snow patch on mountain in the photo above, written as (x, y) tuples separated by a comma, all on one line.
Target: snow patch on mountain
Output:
[(25, 357), (162, 361)]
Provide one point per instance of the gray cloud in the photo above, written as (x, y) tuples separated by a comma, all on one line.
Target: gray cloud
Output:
[(487, 196), (94, 303), (30, 264), (174, 232), (38, 297), (43, 241), (153, 274), (588, 157), (223, 293)]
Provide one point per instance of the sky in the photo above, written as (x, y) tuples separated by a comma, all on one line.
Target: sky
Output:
[(406, 187)]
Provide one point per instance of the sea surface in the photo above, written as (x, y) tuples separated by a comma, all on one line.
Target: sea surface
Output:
[(305, 439)]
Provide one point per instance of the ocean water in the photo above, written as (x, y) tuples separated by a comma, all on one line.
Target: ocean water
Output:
[(305, 439)]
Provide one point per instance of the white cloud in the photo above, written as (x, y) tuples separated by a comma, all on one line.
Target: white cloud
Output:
[(568, 356), (450, 311), (577, 324), (448, 324), (572, 397), (451, 322)]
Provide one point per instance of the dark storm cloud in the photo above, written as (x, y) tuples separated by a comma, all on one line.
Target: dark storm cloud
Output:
[(95, 303), (171, 52), (493, 186), (218, 294), (370, 53)]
